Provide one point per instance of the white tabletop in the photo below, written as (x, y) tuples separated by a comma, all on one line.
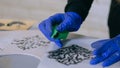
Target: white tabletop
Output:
[(9, 48)]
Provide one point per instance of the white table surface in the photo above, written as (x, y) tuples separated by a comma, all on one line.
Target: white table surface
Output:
[(11, 54)]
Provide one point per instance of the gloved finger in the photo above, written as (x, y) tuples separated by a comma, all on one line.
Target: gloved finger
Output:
[(101, 57), (112, 59), (66, 25), (99, 44), (72, 22), (46, 32), (48, 25), (101, 50), (58, 42), (109, 52), (97, 60), (56, 19)]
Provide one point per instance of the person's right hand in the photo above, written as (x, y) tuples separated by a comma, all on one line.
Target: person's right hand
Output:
[(69, 21)]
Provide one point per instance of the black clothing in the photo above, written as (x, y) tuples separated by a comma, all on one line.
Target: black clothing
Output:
[(82, 7), (79, 6), (114, 19)]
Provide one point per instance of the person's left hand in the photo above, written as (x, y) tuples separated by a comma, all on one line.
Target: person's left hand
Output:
[(106, 51)]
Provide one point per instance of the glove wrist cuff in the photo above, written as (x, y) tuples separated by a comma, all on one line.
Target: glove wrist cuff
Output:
[(74, 14)]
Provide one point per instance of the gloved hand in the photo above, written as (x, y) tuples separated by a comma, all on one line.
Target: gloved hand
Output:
[(69, 21), (106, 51)]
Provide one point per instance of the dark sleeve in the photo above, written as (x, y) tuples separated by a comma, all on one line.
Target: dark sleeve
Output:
[(79, 6)]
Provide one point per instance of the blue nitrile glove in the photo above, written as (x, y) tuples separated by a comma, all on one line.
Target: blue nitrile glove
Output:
[(69, 21), (106, 51)]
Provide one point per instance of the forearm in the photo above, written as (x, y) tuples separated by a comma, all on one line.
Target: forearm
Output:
[(81, 7)]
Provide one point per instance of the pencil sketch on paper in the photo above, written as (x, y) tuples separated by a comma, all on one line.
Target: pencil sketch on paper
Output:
[(30, 42), (70, 55)]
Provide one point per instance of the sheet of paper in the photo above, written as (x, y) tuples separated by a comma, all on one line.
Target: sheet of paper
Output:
[(23, 42), (33, 43), (83, 42)]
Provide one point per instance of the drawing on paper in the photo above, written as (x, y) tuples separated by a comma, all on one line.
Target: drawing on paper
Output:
[(70, 55), (15, 22), (30, 42)]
